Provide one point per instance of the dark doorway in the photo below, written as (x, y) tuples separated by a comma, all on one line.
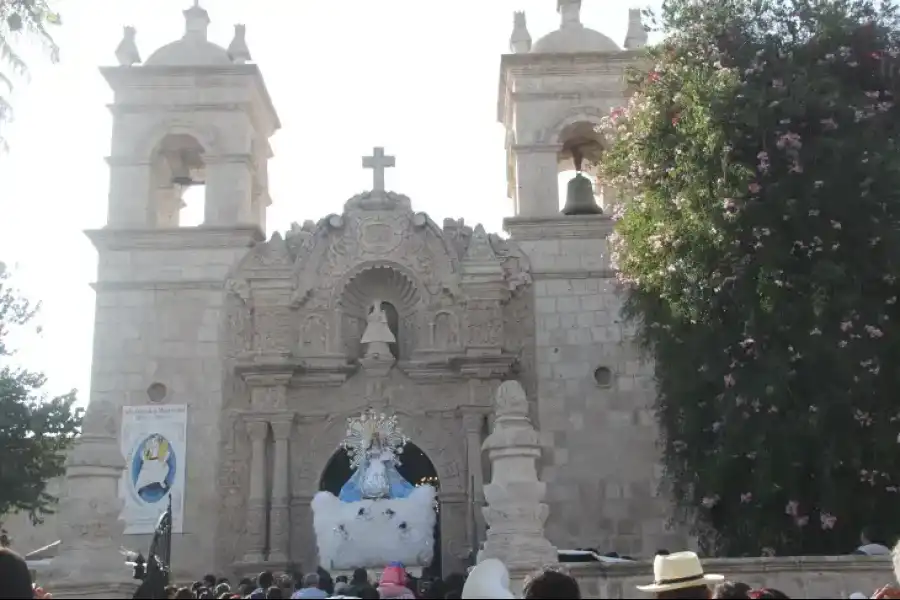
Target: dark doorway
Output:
[(415, 467)]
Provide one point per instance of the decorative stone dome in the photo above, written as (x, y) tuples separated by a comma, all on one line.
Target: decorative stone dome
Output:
[(189, 52), (575, 39), (572, 36), (194, 49)]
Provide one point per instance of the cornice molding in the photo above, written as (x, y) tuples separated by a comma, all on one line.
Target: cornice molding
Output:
[(558, 227), (175, 238)]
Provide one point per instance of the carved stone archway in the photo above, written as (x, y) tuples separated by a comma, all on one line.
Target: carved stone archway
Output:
[(434, 434)]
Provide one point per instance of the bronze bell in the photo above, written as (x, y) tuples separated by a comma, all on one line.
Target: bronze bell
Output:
[(580, 192)]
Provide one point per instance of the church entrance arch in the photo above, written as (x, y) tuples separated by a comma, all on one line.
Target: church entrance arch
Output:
[(415, 467)]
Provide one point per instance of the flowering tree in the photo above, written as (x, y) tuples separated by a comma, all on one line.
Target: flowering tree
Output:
[(761, 257)]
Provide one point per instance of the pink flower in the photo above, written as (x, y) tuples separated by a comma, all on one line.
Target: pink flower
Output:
[(790, 141), (828, 520), (829, 124), (710, 501), (792, 508), (729, 380), (754, 188), (801, 521), (746, 497)]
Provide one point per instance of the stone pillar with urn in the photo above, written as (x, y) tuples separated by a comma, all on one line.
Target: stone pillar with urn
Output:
[(279, 512), (258, 430), (515, 511), (90, 529)]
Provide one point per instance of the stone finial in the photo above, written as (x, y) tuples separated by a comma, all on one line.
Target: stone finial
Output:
[(520, 40), (570, 12), (636, 37), (515, 511), (196, 21), (237, 49), (479, 249), (127, 51)]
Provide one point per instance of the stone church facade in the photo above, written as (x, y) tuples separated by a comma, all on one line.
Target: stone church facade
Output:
[(261, 339)]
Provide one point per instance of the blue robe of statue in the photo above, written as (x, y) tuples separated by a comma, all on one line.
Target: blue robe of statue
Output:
[(400, 487)]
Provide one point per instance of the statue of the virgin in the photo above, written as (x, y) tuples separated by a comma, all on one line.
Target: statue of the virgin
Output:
[(378, 334), (374, 444)]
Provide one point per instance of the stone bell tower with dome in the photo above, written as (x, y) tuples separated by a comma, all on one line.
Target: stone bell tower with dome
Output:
[(192, 115), (594, 394)]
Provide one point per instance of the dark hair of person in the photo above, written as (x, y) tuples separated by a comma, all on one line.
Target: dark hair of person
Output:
[(769, 593), (736, 590), (369, 593), (689, 593), (265, 580), (15, 578), (274, 592), (360, 576), (551, 585)]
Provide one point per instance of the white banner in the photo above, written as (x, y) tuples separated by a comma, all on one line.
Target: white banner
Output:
[(154, 444)]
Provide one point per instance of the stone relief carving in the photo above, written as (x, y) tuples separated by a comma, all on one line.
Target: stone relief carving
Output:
[(480, 249), (314, 336), (516, 266), (445, 331), (388, 235)]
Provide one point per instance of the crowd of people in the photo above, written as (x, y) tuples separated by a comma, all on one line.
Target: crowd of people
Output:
[(676, 576)]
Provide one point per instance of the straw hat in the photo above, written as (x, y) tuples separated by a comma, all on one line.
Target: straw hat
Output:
[(678, 571)]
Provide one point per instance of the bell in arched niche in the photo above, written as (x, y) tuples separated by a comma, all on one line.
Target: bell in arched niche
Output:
[(580, 191)]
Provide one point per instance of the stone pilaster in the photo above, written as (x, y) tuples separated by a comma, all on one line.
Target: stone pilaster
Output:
[(485, 290), (472, 423), (515, 512), (279, 512), (256, 500)]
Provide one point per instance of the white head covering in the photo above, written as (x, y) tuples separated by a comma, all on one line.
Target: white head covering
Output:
[(488, 579)]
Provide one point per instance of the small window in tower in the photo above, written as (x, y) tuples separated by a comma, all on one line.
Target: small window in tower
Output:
[(603, 376)]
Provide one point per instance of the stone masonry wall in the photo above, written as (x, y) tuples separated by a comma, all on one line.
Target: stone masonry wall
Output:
[(159, 319), (600, 460), (796, 576)]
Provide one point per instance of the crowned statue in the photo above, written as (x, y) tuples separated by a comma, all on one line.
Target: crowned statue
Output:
[(379, 517), (378, 335), (374, 444)]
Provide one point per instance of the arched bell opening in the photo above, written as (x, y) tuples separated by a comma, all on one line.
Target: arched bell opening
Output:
[(415, 467), (582, 147), (178, 182)]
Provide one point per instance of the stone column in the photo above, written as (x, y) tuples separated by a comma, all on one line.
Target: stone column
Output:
[(537, 180), (279, 513), (256, 500), (515, 511), (472, 423)]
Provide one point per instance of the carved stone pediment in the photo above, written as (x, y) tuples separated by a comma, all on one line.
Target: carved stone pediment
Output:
[(375, 229)]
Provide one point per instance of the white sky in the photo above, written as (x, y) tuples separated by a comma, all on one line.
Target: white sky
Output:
[(418, 77)]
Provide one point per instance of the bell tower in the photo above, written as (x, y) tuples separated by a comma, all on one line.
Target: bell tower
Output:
[(591, 381), (193, 114), (194, 118), (552, 96)]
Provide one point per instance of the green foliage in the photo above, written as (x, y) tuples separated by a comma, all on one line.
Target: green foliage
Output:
[(18, 18), (35, 431), (761, 258)]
